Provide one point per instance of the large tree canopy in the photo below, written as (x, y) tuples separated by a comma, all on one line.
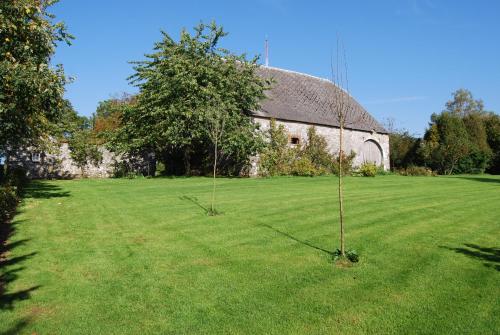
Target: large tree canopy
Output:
[(31, 91), (180, 83), (462, 138)]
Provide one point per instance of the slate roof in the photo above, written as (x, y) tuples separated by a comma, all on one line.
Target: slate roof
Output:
[(300, 97)]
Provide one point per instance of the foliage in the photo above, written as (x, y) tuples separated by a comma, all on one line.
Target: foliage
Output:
[(464, 138), (31, 90), (480, 153), (107, 120), (179, 83), (160, 169), (2, 172), (413, 170), (303, 166), (279, 158), (84, 149), (492, 125), (463, 104), (445, 143), (8, 202), (381, 171), (367, 169), (460, 139), (403, 149), (316, 150), (347, 164), (17, 178)]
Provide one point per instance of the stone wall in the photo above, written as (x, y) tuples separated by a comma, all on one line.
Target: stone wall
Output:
[(355, 140), (59, 164)]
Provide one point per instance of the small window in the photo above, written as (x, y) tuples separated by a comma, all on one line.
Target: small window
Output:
[(294, 140), (36, 157)]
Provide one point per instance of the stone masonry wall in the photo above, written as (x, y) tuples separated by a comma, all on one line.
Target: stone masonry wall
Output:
[(354, 140), (59, 164)]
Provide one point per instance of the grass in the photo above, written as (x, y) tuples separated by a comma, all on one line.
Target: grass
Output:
[(142, 257)]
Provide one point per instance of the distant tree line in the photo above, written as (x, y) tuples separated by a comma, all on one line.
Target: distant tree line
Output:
[(463, 138)]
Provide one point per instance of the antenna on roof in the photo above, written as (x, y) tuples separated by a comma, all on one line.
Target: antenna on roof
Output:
[(267, 52)]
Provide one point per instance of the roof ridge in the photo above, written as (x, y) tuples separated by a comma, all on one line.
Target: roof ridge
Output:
[(311, 76), (300, 73)]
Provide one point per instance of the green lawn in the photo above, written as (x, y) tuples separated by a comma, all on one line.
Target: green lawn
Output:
[(141, 257)]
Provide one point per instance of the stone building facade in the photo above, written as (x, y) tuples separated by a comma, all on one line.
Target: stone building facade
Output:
[(298, 101), (368, 146)]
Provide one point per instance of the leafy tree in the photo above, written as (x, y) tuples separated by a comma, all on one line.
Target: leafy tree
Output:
[(492, 125), (67, 123), (31, 89), (463, 104), (403, 149), (179, 84), (78, 133), (480, 152), (84, 149), (107, 120), (445, 143)]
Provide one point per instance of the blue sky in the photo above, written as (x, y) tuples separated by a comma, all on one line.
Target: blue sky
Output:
[(405, 56)]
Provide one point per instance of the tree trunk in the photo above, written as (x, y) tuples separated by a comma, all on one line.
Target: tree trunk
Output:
[(214, 175), (341, 193), (187, 161)]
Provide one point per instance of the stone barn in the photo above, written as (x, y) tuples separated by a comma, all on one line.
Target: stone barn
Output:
[(296, 100), (299, 101)]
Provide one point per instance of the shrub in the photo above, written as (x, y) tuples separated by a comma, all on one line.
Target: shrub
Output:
[(347, 164), (311, 159), (161, 169), (316, 150), (276, 158), (417, 171), (17, 178), (8, 201), (381, 171), (367, 170), (304, 167)]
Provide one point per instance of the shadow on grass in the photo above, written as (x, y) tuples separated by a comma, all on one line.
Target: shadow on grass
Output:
[(195, 201), (490, 256), (306, 243), (482, 179), (16, 329), (10, 266), (42, 190)]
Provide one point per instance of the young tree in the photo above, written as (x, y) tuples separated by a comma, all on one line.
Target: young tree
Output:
[(343, 109), (84, 149), (31, 90), (216, 117), (78, 133)]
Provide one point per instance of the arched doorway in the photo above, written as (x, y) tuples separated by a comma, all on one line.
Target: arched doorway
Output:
[(372, 152)]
